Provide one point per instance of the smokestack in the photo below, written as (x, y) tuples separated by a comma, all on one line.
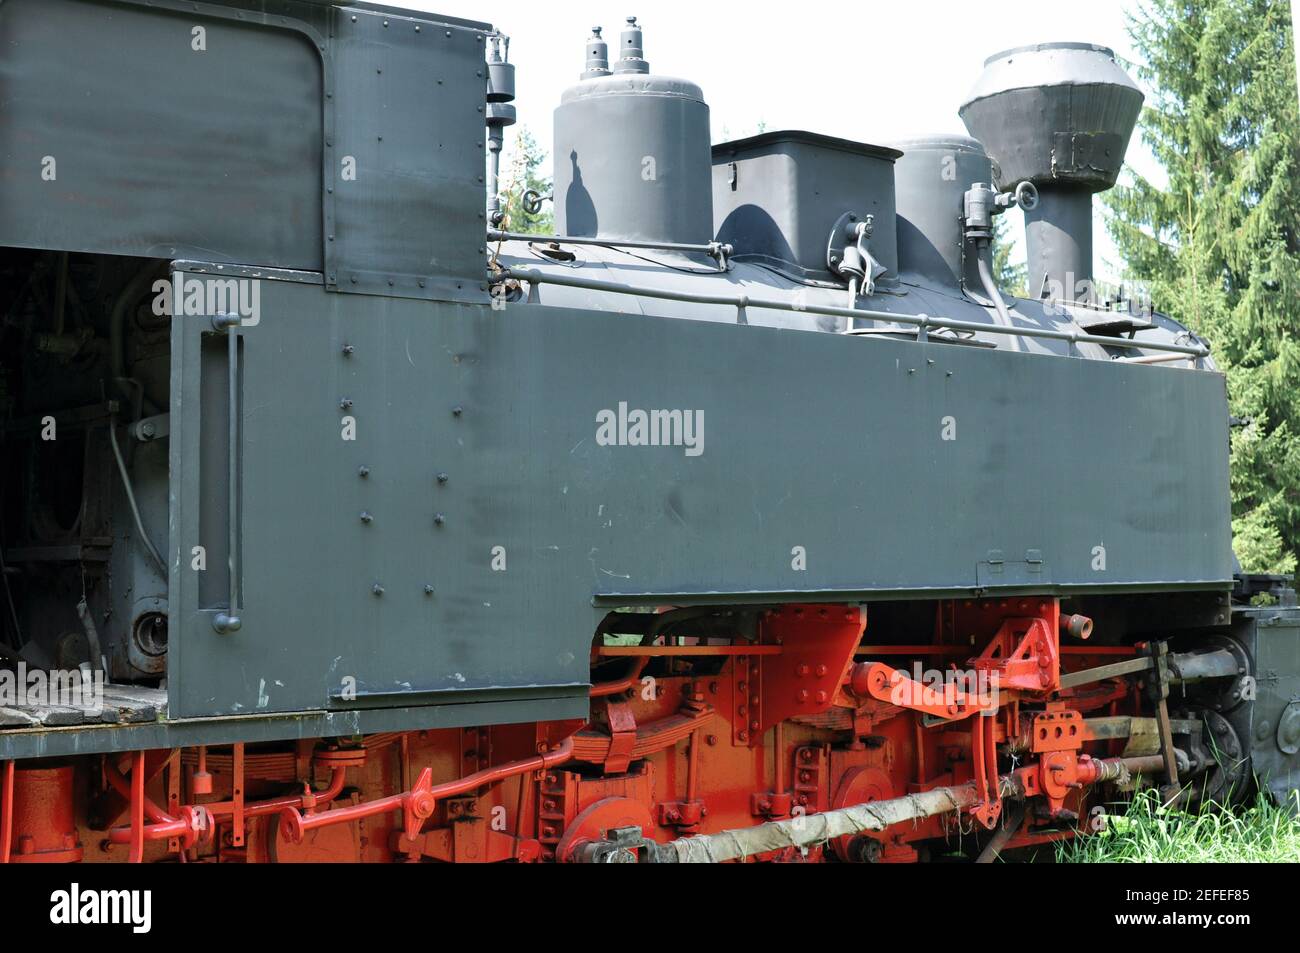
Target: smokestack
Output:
[(1059, 115)]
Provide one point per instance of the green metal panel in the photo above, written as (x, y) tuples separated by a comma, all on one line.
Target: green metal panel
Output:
[(818, 444), (1272, 634), (118, 136), (275, 133)]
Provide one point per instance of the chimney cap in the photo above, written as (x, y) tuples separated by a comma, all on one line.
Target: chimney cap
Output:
[(1040, 47), (1054, 114)]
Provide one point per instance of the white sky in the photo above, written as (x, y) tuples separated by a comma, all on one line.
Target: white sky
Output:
[(871, 71)]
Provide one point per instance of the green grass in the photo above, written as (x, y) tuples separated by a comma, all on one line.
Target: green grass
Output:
[(1149, 833)]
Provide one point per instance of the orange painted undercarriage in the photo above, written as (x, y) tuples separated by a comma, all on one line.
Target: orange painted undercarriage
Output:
[(798, 715)]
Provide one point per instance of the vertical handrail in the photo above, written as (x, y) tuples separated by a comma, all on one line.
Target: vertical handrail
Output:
[(229, 621)]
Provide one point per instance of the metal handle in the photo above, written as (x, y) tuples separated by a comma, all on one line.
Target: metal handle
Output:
[(229, 621), (532, 201), (1027, 196)]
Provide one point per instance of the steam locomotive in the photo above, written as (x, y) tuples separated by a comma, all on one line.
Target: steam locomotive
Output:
[(746, 517)]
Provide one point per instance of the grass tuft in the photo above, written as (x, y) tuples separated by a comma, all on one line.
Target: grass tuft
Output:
[(1150, 833)]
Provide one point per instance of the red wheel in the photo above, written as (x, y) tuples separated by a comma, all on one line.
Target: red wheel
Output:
[(859, 786), (607, 814)]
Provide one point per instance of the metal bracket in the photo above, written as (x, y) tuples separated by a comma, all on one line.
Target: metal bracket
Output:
[(1158, 687), (848, 254), (622, 736), (151, 428)]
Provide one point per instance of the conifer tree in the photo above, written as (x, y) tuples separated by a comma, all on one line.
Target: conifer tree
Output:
[(1009, 275), (522, 174), (1219, 244)]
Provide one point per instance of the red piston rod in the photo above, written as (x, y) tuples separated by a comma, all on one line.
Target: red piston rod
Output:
[(190, 829), (197, 822), (418, 804)]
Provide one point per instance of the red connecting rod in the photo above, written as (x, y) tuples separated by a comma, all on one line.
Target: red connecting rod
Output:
[(418, 804)]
